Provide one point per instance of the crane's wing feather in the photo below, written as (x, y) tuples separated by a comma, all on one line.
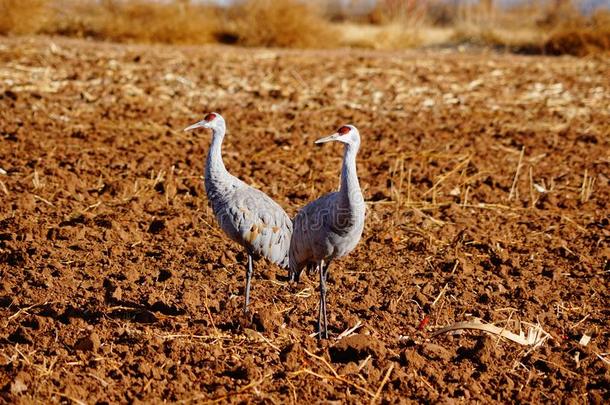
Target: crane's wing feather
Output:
[(309, 243), (254, 220)]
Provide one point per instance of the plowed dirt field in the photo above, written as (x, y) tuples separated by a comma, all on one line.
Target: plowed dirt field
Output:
[(486, 178)]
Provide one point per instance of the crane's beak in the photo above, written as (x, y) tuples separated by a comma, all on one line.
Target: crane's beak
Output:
[(329, 138), (200, 124)]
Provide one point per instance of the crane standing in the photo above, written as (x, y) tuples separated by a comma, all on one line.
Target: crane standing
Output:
[(247, 215), (331, 226)]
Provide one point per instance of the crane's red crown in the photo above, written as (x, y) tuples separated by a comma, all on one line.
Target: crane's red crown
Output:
[(344, 130), (209, 117)]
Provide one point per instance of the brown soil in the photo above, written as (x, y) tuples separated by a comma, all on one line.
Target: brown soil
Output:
[(118, 286)]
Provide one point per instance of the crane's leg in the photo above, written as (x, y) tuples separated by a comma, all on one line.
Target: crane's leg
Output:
[(322, 319), (320, 305), (294, 277), (324, 269), (248, 280)]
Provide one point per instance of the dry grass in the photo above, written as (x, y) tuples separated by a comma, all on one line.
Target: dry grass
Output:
[(22, 16), (135, 21), (279, 23), (518, 39), (392, 24), (387, 36), (580, 37), (536, 29), (514, 28), (533, 27), (410, 12)]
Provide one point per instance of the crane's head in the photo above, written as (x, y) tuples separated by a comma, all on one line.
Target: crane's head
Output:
[(212, 121), (347, 134)]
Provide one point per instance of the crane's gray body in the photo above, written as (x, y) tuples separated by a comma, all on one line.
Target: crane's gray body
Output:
[(325, 229), (249, 217), (331, 226)]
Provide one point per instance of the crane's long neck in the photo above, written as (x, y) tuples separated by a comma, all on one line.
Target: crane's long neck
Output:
[(351, 196), (214, 167)]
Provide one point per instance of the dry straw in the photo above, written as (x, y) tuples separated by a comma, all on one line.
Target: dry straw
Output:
[(530, 28), (535, 336)]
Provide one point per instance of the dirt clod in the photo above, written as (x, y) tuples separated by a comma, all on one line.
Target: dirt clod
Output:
[(355, 348), (20, 335), (436, 352), (411, 359), (90, 343), (291, 356), (266, 320)]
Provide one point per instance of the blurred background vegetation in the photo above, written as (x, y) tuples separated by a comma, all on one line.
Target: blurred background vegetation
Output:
[(547, 27)]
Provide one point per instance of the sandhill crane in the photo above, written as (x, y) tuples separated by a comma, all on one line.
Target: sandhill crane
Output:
[(247, 215), (329, 227)]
